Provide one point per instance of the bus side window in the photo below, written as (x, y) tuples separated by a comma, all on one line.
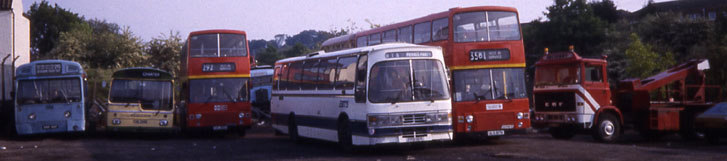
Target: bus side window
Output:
[(327, 74), (360, 93), (295, 75), (345, 73)]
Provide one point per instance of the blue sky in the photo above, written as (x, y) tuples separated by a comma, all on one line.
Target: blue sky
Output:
[(262, 19)]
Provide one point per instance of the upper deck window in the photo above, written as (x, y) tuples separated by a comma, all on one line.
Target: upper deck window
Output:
[(486, 26), (217, 45), (361, 41), (422, 32), (389, 36), (375, 39), (440, 29), (405, 34)]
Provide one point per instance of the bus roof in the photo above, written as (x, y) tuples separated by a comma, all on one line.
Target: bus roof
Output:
[(214, 31), (350, 37), (143, 72), (322, 54), (50, 67)]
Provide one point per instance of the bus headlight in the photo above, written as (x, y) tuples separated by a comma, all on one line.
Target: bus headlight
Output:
[(163, 123), (67, 114), (384, 120), (438, 117), (470, 118), (115, 121), (519, 115), (31, 116)]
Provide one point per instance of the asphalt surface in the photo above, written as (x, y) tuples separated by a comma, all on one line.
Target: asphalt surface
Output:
[(261, 144)]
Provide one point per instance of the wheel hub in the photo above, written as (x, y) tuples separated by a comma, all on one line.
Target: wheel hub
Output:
[(608, 128)]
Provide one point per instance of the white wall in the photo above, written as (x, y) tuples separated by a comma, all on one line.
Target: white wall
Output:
[(14, 36)]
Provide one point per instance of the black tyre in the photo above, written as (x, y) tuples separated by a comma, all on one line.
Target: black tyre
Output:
[(293, 129), (241, 131), (607, 128), (345, 139), (712, 138), (563, 133)]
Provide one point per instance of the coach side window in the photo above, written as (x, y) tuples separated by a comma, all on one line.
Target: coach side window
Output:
[(360, 93), (294, 75), (326, 73), (422, 32), (440, 29), (361, 41), (346, 72), (309, 74), (405, 34), (389, 36)]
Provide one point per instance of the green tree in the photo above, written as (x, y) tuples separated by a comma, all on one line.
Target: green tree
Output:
[(96, 48), (164, 52), (268, 56), (572, 22), (643, 61), (47, 22)]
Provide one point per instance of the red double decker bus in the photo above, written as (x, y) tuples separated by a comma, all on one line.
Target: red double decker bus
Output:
[(215, 74), (483, 48)]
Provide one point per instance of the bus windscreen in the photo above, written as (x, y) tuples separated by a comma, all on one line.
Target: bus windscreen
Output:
[(43, 91), (153, 95)]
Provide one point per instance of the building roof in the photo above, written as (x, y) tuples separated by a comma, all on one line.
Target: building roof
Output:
[(6, 4)]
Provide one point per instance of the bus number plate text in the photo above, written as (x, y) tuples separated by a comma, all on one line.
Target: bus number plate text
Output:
[(496, 133)]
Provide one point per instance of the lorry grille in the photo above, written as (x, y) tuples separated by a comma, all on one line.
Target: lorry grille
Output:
[(414, 119), (557, 101), (414, 133)]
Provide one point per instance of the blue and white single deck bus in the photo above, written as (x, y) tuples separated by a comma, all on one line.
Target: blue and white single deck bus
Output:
[(50, 97), (382, 94), (260, 93)]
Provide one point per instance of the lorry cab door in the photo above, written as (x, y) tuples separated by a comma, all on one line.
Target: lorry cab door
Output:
[(596, 84)]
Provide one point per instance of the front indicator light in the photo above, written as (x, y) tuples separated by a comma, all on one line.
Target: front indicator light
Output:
[(163, 123), (116, 121), (67, 114), (31, 116)]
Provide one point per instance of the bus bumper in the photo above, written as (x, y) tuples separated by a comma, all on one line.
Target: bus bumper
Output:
[(404, 135), (57, 126)]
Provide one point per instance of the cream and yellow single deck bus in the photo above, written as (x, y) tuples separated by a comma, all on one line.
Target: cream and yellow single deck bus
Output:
[(141, 99), (389, 93)]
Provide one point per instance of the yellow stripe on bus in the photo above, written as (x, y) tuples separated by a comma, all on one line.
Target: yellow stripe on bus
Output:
[(522, 65), (220, 76)]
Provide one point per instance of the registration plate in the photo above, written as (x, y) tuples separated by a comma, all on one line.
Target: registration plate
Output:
[(50, 126), (140, 121), (219, 127), (496, 133)]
